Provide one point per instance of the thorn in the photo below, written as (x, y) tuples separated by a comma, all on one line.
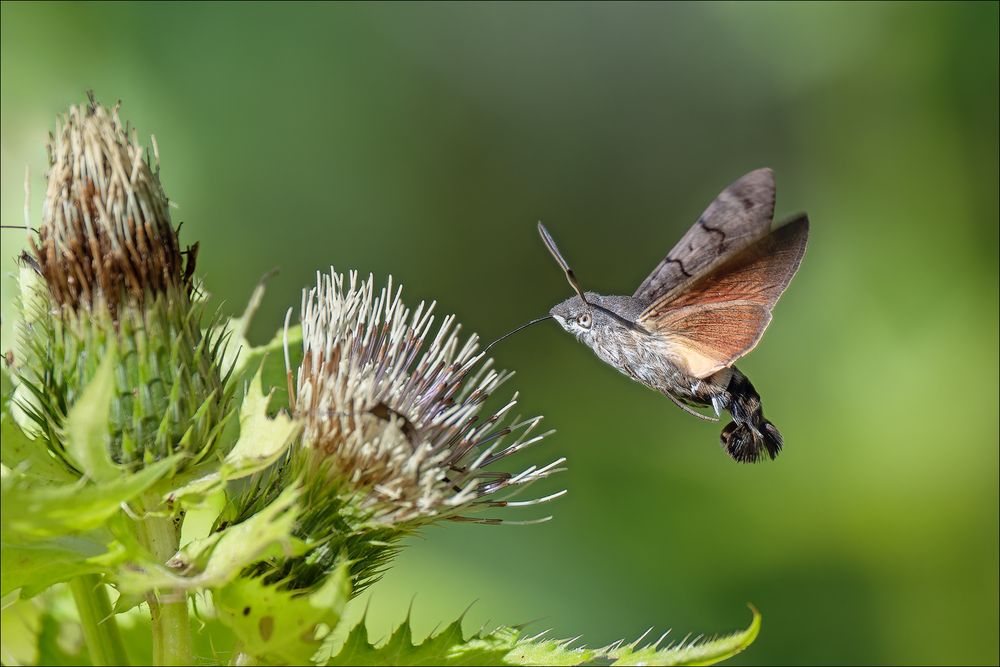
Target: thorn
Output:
[(461, 616), (409, 610)]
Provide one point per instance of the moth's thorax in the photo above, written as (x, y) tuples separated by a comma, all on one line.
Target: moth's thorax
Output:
[(635, 353)]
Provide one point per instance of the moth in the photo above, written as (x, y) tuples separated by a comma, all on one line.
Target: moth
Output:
[(702, 308)]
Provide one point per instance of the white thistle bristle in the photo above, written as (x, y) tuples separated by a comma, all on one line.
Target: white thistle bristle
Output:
[(394, 408)]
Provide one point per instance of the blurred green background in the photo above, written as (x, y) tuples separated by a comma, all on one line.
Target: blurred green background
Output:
[(426, 140)]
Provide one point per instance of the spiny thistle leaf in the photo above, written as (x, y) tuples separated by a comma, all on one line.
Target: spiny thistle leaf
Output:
[(46, 631), (269, 357), (262, 440), (29, 458), (218, 559), (53, 649), (39, 631), (36, 566), (235, 355), (693, 652), (506, 646), (280, 625), (86, 427), (243, 357), (20, 622), (49, 511)]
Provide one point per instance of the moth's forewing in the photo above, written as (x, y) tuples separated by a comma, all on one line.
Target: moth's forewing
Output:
[(722, 315), (740, 215)]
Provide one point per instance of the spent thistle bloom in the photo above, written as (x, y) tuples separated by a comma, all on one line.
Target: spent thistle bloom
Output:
[(106, 234), (392, 407), (114, 282), (395, 433)]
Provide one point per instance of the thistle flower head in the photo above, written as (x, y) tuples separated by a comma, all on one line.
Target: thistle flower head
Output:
[(106, 232), (117, 285), (393, 406)]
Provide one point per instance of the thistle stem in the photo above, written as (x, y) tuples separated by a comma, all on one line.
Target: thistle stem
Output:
[(100, 628), (168, 608)]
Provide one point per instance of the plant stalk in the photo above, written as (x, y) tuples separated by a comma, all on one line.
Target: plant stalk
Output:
[(100, 627), (168, 608)]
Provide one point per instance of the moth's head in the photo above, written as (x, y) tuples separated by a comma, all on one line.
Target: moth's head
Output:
[(580, 317)]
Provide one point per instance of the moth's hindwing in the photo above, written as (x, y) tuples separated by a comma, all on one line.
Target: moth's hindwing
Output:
[(721, 316)]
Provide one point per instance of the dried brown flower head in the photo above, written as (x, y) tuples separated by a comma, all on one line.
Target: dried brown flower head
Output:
[(117, 288), (106, 232)]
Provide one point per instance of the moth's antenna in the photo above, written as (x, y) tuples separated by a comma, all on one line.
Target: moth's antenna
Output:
[(575, 284), (19, 227), (511, 333), (551, 245)]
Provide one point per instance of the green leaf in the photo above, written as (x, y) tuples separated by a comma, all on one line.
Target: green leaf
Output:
[(270, 359), (27, 457), (86, 425), (6, 387), (217, 559), (280, 625), (34, 567), (239, 354), (262, 439), (20, 622), (60, 531), (34, 296), (53, 649), (689, 653), (261, 442), (45, 510), (18, 451), (244, 358), (505, 646), (448, 647)]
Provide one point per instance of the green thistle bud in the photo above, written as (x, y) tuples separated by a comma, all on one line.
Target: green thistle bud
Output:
[(115, 283)]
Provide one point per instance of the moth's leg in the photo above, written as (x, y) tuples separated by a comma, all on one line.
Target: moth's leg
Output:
[(688, 409)]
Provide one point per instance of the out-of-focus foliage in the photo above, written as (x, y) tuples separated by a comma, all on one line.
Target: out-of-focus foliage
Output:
[(426, 140)]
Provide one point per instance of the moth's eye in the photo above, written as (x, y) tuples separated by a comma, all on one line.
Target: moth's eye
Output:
[(585, 321)]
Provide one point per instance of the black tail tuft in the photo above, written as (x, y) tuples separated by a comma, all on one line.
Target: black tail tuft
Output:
[(746, 446), (749, 436)]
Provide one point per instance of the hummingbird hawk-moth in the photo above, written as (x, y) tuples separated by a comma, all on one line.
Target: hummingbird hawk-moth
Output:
[(703, 307)]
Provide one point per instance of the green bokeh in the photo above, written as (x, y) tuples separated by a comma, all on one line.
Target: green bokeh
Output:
[(426, 140)]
